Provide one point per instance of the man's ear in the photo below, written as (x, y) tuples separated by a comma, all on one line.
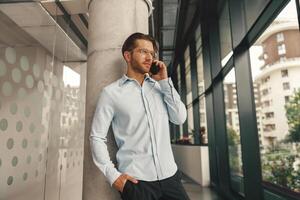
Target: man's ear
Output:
[(127, 56)]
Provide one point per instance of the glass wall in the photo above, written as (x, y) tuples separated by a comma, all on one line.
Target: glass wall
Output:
[(277, 99), (203, 121), (201, 86), (254, 9), (180, 135), (194, 83), (42, 106), (225, 34), (189, 96), (233, 130), (200, 73), (254, 148)]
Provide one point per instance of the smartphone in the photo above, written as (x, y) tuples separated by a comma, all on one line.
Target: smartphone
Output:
[(154, 69)]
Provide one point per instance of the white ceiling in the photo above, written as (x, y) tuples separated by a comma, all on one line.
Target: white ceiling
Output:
[(36, 21)]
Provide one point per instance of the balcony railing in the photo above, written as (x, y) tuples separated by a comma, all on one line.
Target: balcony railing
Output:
[(296, 60)]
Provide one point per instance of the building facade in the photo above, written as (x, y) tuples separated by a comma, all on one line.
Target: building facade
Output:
[(278, 77)]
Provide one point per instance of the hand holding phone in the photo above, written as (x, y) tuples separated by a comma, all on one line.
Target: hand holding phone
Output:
[(158, 70), (154, 69)]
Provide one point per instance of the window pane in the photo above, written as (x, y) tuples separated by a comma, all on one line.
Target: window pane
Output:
[(190, 121), (200, 73), (203, 123), (278, 100), (233, 125), (254, 9), (188, 76), (225, 34), (187, 56), (189, 98), (179, 92), (179, 79), (181, 132), (280, 37), (198, 38), (188, 86)]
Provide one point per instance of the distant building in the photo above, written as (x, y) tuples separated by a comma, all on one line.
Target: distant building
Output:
[(279, 76), (232, 115)]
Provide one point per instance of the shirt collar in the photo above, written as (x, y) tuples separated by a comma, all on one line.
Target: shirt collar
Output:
[(125, 78)]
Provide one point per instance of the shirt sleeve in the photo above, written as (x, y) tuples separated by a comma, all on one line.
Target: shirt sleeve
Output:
[(176, 108), (98, 137)]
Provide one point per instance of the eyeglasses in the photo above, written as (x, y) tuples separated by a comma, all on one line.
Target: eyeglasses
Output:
[(145, 52)]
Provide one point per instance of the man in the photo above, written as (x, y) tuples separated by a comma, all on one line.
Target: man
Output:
[(139, 108)]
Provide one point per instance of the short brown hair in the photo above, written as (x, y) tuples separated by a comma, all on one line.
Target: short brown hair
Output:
[(129, 43)]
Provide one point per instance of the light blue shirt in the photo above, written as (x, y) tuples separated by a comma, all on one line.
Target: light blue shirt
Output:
[(140, 121)]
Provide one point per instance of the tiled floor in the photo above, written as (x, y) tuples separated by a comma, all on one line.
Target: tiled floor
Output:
[(197, 192)]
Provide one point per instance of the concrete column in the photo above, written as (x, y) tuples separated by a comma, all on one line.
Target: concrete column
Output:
[(110, 23)]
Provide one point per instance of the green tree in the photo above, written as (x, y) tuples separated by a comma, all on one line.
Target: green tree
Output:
[(232, 137), (278, 168), (294, 134), (233, 141), (293, 117)]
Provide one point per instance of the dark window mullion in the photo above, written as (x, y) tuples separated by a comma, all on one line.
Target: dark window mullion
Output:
[(246, 106), (212, 148), (218, 102)]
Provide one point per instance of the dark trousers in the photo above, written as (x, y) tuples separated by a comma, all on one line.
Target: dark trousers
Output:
[(167, 189)]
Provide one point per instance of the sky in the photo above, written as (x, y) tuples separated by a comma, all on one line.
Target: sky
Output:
[(288, 13)]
